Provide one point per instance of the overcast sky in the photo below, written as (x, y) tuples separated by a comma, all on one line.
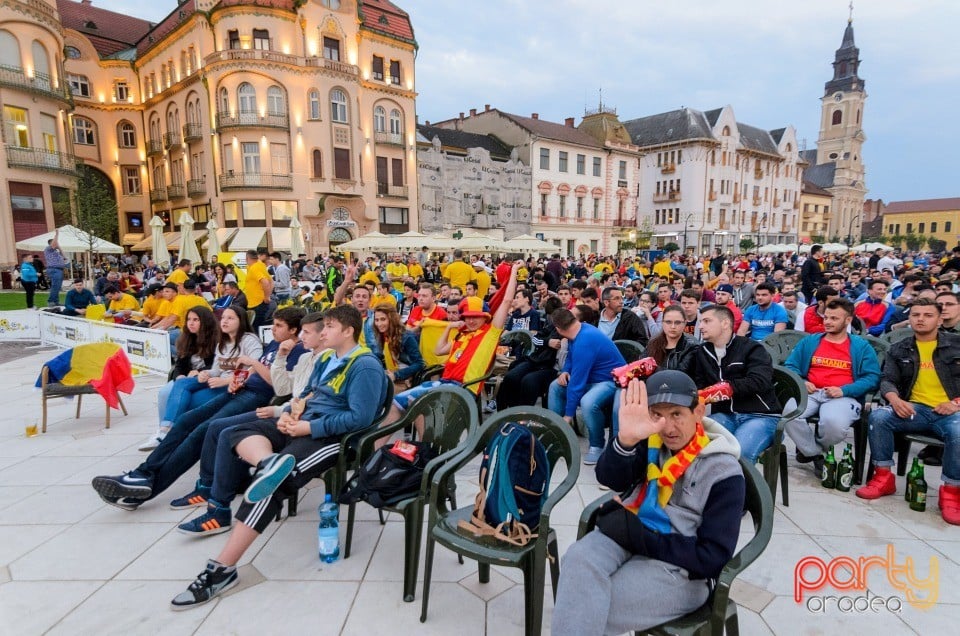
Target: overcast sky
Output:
[(769, 60)]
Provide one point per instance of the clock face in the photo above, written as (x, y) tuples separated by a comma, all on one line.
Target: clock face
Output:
[(341, 214), (838, 97)]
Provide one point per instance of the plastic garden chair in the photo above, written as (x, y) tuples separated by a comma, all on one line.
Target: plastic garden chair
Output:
[(787, 385), (560, 443), (630, 350), (780, 343)]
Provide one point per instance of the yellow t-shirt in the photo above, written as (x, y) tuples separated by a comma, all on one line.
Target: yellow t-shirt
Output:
[(928, 389), (459, 274), (151, 306), (177, 277), (252, 288), (378, 300), (369, 277), (483, 282), (126, 302), (663, 269), (183, 303), (398, 271), (416, 271), (164, 309)]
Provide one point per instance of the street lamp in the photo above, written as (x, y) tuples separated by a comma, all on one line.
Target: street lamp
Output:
[(685, 221), (850, 231)]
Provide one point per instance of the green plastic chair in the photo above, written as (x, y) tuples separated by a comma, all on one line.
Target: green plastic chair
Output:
[(719, 613), (897, 335), (779, 344), (787, 385), (519, 337), (630, 350), (450, 418), (560, 443), (861, 427)]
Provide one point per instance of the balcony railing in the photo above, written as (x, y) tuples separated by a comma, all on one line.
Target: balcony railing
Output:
[(253, 120), (196, 187), (256, 180), (384, 137), (40, 83), (41, 159), (387, 190), (154, 147), (624, 223), (274, 56), (158, 195), (668, 168), (673, 195), (176, 191), (171, 140), (192, 132)]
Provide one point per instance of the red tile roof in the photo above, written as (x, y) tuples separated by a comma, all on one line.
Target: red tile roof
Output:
[(168, 24), (813, 188), (551, 130), (923, 205), (385, 17), (113, 32)]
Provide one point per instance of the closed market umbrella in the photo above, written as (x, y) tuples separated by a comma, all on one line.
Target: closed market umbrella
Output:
[(528, 243), (213, 241), (161, 256), (188, 245), (296, 238)]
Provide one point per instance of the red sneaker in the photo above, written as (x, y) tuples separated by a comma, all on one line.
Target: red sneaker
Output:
[(950, 504), (882, 483)]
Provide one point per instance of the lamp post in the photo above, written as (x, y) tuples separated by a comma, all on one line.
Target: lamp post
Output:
[(685, 221), (850, 230)]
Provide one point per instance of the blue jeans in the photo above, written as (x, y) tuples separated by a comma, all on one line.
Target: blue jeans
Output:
[(163, 396), (188, 393), (56, 284), (220, 467), (884, 423), (754, 431), (182, 446), (595, 405)]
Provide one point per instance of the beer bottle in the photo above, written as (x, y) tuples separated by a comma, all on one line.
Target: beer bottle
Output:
[(829, 478), (911, 478), (845, 470), (919, 501)]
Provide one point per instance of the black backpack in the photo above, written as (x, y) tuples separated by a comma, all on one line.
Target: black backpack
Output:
[(387, 477)]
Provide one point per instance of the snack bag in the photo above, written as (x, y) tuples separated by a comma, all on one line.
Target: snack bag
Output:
[(640, 369), (719, 392)]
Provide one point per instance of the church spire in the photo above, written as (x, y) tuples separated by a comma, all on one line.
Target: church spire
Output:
[(846, 63)]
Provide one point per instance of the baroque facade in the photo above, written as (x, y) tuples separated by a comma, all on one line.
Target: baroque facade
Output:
[(248, 112), (471, 181)]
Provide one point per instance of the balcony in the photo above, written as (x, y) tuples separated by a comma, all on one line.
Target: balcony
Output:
[(757, 201), (253, 120), (41, 159), (668, 168), (158, 195), (384, 137), (171, 140), (248, 55), (176, 191), (624, 223), (723, 225), (254, 180), (387, 190), (711, 196), (196, 187), (39, 84), (154, 147), (192, 132), (673, 195)]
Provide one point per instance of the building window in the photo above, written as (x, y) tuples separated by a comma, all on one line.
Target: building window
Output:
[(579, 207), (341, 163), (83, 132), (933, 227), (276, 104), (379, 119), (48, 131), (596, 166), (131, 180), (253, 211), (581, 164), (338, 106), (313, 101), (331, 4), (378, 68), (121, 91), (396, 122), (331, 48), (127, 135), (247, 98), (251, 157), (543, 205), (72, 52), (544, 158), (562, 161), (393, 216), (921, 228), (596, 209), (395, 72), (261, 39), (623, 171), (563, 206), (836, 118), (317, 164), (947, 226), (233, 39), (224, 101), (79, 85), (15, 123), (909, 228)]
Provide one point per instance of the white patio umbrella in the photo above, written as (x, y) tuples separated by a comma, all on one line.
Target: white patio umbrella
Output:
[(213, 241), (370, 241), (161, 256), (407, 241), (188, 245), (835, 248), (771, 248), (296, 238), (476, 242), (870, 247), (528, 243), (72, 240)]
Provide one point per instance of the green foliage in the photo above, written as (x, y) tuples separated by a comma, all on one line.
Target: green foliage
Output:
[(626, 246), (91, 207), (747, 244), (915, 241), (937, 245), (671, 247)]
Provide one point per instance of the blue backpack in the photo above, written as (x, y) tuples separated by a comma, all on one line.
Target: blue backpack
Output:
[(514, 483)]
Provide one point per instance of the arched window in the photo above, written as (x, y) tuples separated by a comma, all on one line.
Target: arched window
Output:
[(379, 119), (10, 49), (155, 128), (84, 133), (247, 98), (837, 117), (191, 113), (41, 62), (726, 131), (276, 105), (224, 101), (127, 135), (338, 106), (317, 164), (396, 122), (313, 101)]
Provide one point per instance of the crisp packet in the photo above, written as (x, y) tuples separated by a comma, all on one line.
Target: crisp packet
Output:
[(719, 392), (640, 369)]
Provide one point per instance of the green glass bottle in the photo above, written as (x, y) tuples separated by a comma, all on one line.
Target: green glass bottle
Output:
[(845, 470), (911, 478), (829, 477), (919, 501)]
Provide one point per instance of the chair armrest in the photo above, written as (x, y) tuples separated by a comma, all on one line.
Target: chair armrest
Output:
[(449, 466), (588, 518), (369, 436), (430, 371), (481, 379)]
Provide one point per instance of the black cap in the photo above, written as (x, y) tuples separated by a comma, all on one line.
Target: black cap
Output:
[(671, 387), (189, 284), (172, 286)]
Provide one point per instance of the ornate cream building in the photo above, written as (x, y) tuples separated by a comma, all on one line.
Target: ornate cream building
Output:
[(252, 112)]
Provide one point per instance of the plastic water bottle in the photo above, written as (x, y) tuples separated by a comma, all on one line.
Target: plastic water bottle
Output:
[(329, 530)]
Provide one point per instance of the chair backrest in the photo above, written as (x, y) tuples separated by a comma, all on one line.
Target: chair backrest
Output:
[(521, 337), (787, 385), (759, 503), (780, 343), (897, 335), (449, 414), (630, 350), (384, 409), (880, 347)]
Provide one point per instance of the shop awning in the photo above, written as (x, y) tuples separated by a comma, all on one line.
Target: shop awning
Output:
[(280, 239), (224, 234), (131, 239), (144, 245), (247, 238)]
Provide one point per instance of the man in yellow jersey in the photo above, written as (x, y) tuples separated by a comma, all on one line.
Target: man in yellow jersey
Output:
[(414, 268), (397, 272), (662, 268), (180, 274), (180, 305), (121, 305), (458, 272), (482, 278), (921, 384), (258, 286)]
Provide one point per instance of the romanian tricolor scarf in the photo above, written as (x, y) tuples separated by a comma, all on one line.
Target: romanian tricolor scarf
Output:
[(651, 499)]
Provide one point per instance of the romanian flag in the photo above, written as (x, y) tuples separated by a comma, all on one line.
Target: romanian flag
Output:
[(103, 365)]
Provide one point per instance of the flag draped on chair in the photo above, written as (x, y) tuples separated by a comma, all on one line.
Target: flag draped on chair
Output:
[(103, 365)]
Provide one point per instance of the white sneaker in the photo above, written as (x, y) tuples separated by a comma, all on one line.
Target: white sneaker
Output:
[(153, 441)]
